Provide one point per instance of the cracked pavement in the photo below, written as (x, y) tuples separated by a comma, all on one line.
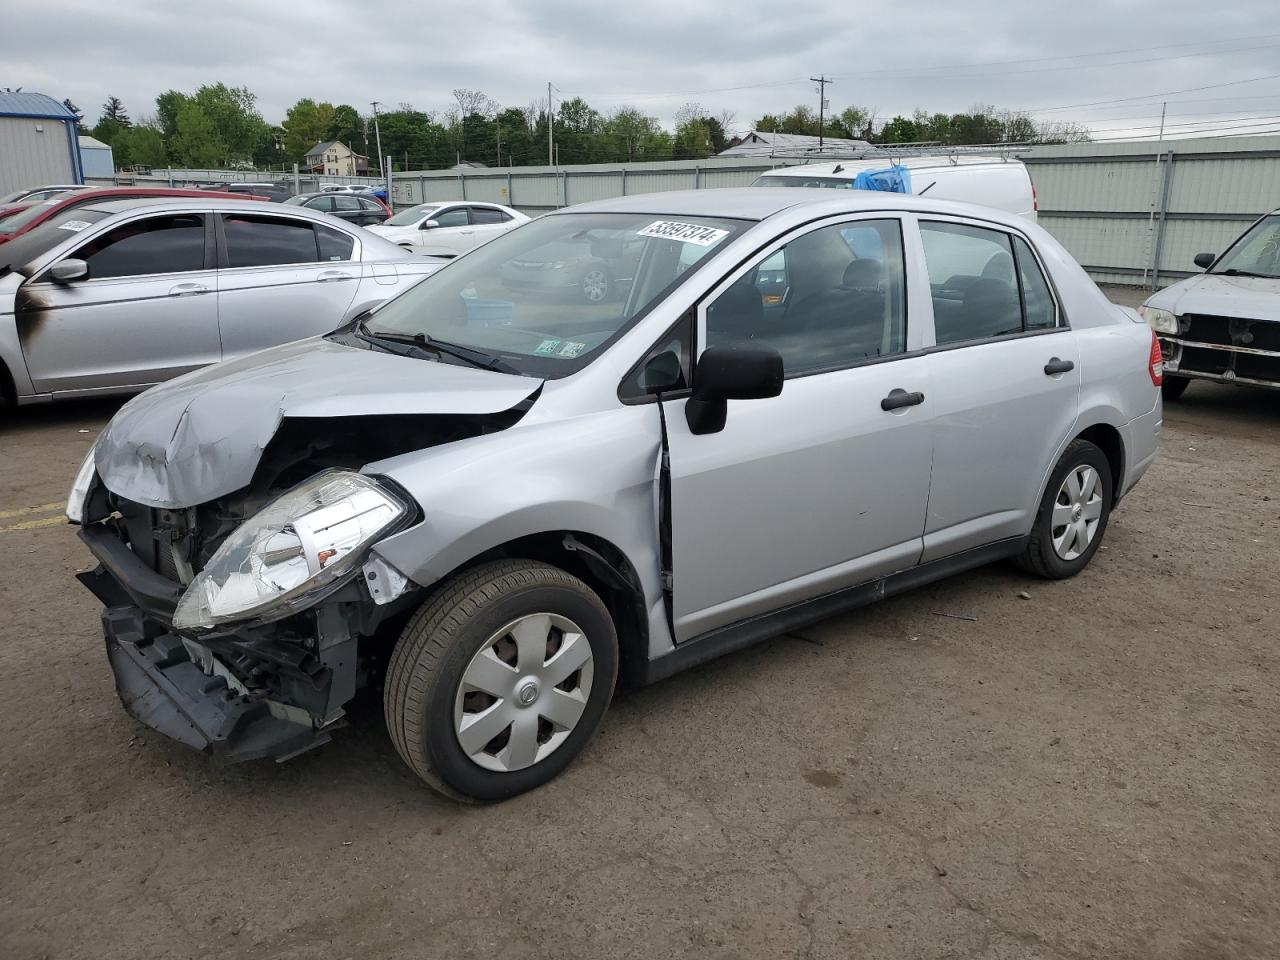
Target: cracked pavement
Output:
[(1088, 773)]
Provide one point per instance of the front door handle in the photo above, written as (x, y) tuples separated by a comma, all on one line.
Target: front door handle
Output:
[(1056, 366), (333, 275), (187, 289), (899, 398)]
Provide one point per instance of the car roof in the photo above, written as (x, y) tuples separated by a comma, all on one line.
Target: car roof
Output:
[(197, 204), (759, 203)]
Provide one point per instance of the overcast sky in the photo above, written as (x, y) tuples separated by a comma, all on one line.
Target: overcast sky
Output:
[(745, 56)]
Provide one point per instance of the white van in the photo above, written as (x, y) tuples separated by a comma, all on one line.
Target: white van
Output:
[(990, 181)]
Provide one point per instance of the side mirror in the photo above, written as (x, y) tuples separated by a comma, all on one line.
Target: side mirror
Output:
[(662, 373), (69, 271), (1205, 260), (735, 371), (430, 225)]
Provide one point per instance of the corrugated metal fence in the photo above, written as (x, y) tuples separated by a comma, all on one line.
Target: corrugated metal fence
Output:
[(1137, 213)]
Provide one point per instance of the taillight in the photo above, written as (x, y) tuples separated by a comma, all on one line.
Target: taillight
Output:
[(1155, 362)]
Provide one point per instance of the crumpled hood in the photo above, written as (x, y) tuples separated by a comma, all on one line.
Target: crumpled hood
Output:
[(1254, 298), (201, 436)]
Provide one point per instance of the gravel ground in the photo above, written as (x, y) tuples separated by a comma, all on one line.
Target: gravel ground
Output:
[(1091, 772)]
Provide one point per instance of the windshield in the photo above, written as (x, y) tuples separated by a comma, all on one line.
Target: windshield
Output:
[(548, 295), (16, 221), (13, 197), (20, 251), (1257, 252), (831, 183), (408, 218)]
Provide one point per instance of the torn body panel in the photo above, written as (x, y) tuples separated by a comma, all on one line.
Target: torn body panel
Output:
[(202, 436)]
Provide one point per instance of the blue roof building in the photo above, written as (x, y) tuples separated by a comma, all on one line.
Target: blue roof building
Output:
[(38, 142)]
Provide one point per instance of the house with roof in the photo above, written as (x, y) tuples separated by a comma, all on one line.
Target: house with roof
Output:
[(335, 159), (763, 143), (38, 141)]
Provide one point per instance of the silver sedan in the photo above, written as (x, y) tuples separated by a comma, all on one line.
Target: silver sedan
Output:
[(117, 296)]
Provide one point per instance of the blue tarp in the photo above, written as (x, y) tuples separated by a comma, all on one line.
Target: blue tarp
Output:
[(894, 179)]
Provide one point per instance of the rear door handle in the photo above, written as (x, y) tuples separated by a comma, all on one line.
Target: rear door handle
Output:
[(899, 398), (1056, 366), (333, 275), (187, 289)]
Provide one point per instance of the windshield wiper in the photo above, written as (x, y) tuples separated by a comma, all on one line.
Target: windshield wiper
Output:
[(420, 343), (1233, 272)]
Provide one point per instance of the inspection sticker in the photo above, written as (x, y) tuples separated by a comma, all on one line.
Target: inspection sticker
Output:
[(684, 232), (547, 348), (75, 226), (571, 348)]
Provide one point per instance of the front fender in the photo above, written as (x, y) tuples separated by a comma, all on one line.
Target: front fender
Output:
[(595, 474)]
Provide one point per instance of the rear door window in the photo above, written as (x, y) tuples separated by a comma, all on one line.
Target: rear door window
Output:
[(972, 280), (346, 204), (323, 204), (172, 244), (267, 241), (484, 215)]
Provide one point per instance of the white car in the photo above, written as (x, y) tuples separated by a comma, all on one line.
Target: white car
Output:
[(448, 229), (999, 182), (1224, 324)]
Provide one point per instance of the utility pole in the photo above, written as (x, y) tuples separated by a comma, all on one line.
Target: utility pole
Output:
[(822, 81), (498, 127), (551, 150), (378, 133)]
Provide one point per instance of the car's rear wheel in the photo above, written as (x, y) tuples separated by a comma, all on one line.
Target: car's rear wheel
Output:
[(1174, 387), (1073, 514), (501, 679), (595, 285)]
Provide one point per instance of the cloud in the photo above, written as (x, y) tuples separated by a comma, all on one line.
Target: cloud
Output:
[(747, 56)]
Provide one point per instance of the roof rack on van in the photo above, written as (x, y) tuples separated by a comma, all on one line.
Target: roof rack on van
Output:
[(894, 151)]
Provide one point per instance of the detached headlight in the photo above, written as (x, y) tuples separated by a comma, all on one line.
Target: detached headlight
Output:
[(78, 498), (1161, 321), (304, 541)]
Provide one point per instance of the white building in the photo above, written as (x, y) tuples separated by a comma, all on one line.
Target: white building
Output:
[(762, 143), (37, 142)]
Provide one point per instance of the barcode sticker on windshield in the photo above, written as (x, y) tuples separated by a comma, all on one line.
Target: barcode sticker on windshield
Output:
[(75, 226), (684, 232)]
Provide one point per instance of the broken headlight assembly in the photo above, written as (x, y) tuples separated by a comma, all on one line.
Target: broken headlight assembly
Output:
[(301, 545), (1161, 321), (78, 498)]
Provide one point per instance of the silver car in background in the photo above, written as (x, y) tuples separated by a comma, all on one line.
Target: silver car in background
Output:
[(492, 503), (116, 296)]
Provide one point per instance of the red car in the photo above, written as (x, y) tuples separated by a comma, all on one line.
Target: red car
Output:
[(16, 223)]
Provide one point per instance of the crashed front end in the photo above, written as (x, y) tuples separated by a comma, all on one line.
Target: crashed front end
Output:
[(236, 631), (1227, 349)]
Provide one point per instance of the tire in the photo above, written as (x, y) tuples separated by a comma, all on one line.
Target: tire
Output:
[(1174, 387), (1065, 555), (595, 285), (465, 630)]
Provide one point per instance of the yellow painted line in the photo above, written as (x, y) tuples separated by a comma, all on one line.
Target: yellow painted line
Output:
[(34, 524), (24, 511)]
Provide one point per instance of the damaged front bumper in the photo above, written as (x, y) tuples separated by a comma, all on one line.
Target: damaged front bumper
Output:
[(268, 692), (162, 686)]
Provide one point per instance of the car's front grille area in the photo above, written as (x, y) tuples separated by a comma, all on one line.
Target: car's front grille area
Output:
[(150, 538), (1223, 347)]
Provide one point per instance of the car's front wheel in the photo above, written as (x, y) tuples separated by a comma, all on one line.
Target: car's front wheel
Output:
[(501, 679), (1073, 514)]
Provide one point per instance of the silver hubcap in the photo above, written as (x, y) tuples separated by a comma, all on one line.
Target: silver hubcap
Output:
[(523, 692), (1076, 512), (595, 286)]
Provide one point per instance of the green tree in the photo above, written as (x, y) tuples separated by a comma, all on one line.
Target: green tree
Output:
[(114, 110), (578, 128), (347, 127), (146, 147), (235, 118), (306, 124), (629, 132), (196, 143)]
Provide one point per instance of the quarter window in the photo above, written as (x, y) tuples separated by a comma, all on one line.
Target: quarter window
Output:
[(979, 291), (267, 241), (828, 299), (334, 244), (158, 245)]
